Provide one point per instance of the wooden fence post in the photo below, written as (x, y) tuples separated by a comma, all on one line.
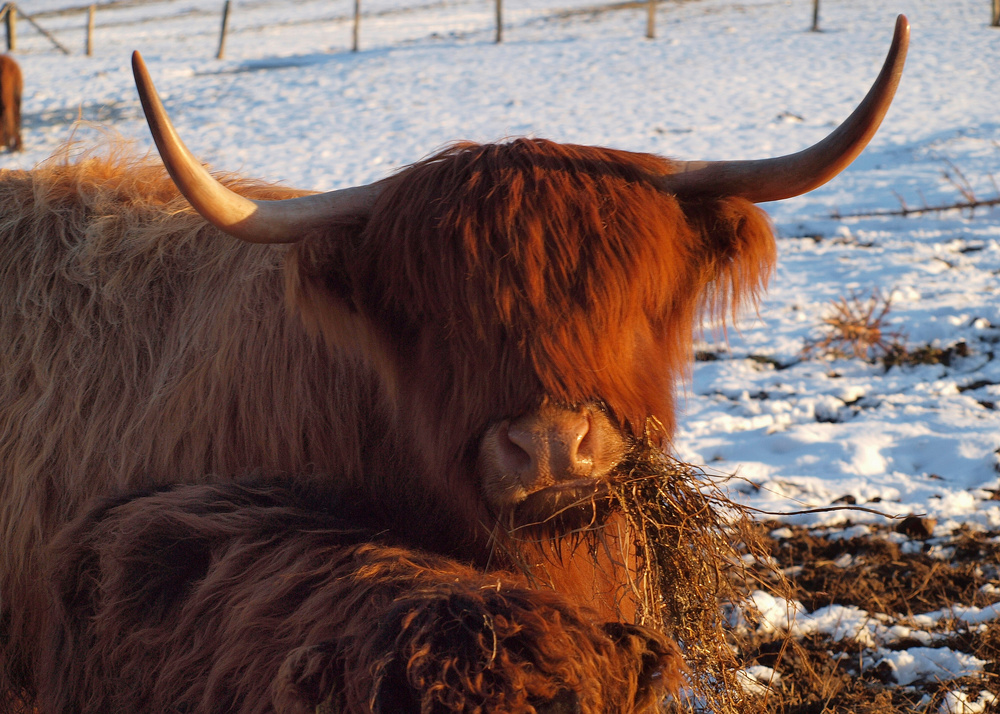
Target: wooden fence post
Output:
[(91, 13), (996, 13), (499, 21), (356, 32), (41, 31), (815, 27), (222, 33), (11, 26), (651, 19)]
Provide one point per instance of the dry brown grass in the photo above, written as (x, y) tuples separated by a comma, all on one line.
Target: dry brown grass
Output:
[(693, 545), (822, 676), (700, 555), (858, 328)]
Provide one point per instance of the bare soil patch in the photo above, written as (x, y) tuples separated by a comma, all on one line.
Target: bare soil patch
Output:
[(913, 597)]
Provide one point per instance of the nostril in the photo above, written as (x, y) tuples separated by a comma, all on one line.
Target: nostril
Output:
[(517, 448), (580, 444)]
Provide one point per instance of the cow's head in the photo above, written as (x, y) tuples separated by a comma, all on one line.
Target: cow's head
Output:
[(529, 305)]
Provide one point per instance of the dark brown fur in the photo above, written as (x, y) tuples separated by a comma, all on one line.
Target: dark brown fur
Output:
[(11, 86), (250, 600), (139, 346)]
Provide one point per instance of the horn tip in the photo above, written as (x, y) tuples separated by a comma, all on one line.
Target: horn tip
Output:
[(139, 70), (902, 27)]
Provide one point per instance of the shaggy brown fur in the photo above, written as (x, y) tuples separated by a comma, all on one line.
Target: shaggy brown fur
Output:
[(138, 343), (250, 600), (11, 85)]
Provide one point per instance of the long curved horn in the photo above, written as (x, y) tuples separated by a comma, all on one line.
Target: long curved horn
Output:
[(284, 221), (792, 175)]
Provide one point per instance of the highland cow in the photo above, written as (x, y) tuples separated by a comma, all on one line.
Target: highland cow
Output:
[(249, 599), (471, 347), (11, 85)]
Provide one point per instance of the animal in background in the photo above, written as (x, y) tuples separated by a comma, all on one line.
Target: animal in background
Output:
[(11, 85)]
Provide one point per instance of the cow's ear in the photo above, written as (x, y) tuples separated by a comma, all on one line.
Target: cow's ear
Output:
[(320, 274), (739, 254)]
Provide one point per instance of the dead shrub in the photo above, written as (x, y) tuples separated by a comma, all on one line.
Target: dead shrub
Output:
[(857, 328)]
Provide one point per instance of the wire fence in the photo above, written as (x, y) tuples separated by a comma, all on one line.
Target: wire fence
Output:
[(88, 20), (54, 29)]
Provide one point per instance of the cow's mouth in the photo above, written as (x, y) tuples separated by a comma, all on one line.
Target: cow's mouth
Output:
[(575, 505), (568, 506)]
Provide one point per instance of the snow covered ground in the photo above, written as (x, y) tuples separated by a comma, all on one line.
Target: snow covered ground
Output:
[(723, 79)]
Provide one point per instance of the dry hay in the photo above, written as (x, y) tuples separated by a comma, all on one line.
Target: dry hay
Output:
[(699, 555), (692, 546)]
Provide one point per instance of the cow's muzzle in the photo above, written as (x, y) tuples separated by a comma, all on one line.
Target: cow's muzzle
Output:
[(559, 453)]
